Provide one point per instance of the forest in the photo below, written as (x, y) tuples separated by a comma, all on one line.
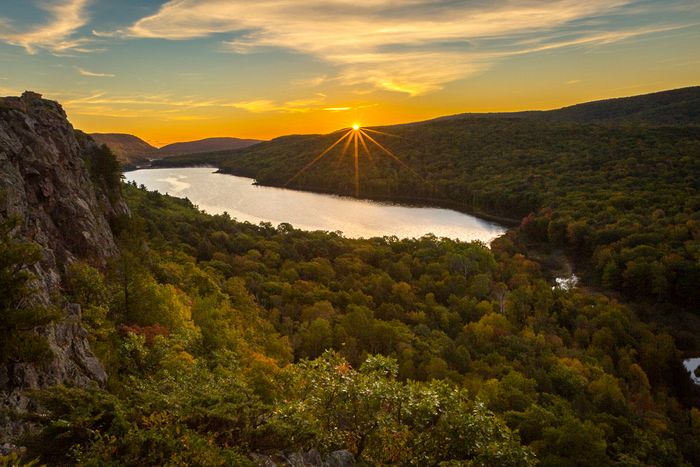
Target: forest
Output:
[(225, 341), (621, 199), (228, 343)]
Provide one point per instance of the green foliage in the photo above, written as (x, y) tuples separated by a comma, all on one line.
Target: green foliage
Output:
[(105, 168), (225, 338), (20, 312), (90, 427), (622, 198), (15, 459), (384, 421)]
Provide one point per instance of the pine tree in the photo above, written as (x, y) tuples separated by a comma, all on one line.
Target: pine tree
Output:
[(19, 314)]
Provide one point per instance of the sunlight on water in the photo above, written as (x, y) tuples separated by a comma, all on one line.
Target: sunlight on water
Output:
[(218, 193), (175, 184)]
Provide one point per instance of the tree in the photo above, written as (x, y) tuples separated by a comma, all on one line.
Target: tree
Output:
[(20, 310)]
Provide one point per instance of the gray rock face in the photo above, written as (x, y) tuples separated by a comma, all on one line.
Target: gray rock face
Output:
[(45, 181), (340, 459)]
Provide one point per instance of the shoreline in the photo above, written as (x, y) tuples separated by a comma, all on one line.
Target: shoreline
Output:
[(442, 203)]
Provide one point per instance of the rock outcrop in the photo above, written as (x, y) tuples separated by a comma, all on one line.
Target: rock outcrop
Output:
[(45, 181)]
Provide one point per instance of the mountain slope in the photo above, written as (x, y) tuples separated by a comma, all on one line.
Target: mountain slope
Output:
[(205, 145), (673, 107), (129, 149), (593, 187), (132, 150), (677, 107)]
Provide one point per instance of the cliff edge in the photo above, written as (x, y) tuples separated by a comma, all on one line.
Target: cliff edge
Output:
[(47, 181)]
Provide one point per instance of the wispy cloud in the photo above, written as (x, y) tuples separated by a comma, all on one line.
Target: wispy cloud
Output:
[(101, 103), (263, 105), (57, 34), (92, 74), (310, 82), (411, 47)]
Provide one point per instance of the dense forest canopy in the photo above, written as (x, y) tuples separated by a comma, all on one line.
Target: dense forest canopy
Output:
[(620, 195), (224, 339)]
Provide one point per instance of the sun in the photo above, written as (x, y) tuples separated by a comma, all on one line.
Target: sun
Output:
[(359, 138)]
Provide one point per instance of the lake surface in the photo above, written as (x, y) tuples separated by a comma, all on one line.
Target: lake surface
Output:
[(217, 193)]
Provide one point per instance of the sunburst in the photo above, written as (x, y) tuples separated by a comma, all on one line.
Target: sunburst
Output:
[(357, 137)]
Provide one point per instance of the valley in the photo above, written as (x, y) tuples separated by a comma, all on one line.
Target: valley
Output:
[(214, 341)]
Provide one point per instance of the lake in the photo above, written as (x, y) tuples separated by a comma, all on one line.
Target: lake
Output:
[(243, 200), (690, 365)]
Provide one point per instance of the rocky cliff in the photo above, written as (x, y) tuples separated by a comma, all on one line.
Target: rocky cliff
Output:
[(45, 180)]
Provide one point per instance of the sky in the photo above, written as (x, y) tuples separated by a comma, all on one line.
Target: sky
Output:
[(180, 70)]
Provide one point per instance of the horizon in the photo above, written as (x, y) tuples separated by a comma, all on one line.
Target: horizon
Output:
[(174, 71), (380, 125)]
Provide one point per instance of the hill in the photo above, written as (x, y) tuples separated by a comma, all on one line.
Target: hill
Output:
[(205, 145), (673, 107), (621, 195), (132, 150), (129, 149)]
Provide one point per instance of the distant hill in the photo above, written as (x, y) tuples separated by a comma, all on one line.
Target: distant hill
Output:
[(674, 107), (205, 145), (467, 157), (272, 161), (129, 149), (614, 183), (132, 150)]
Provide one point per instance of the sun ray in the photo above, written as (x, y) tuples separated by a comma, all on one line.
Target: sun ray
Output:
[(346, 146), (381, 133), (365, 147), (357, 166), (303, 169), (355, 136), (396, 158)]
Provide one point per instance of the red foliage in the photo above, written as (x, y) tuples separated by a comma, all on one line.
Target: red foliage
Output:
[(149, 332)]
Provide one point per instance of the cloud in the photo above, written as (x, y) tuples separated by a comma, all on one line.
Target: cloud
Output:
[(295, 106), (84, 72), (413, 47), (257, 106), (100, 103), (57, 34), (310, 82)]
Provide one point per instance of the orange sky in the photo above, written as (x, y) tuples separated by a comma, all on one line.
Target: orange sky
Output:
[(171, 71)]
